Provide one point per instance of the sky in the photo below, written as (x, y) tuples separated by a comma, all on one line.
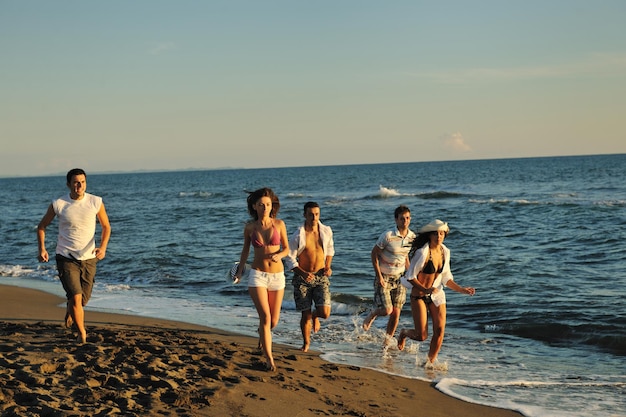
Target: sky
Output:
[(151, 85)]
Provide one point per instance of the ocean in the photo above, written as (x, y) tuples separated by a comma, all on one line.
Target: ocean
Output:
[(543, 241)]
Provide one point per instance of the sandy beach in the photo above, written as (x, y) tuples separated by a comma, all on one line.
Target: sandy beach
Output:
[(139, 366)]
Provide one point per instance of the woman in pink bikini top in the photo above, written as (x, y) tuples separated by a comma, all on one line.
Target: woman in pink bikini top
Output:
[(267, 235), (258, 241)]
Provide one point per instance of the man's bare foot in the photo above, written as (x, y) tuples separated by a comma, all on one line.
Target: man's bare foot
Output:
[(68, 317), (401, 340), (316, 324), (82, 339), (305, 347), (270, 366), (367, 323), (68, 320)]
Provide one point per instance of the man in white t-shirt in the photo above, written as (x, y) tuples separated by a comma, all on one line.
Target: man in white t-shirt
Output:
[(76, 250)]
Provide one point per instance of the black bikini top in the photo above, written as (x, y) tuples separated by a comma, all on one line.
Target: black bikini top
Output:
[(429, 268)]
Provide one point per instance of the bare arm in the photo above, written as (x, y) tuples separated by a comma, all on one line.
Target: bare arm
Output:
[(103, 219), (463, 290), (327, 269), (245, 252), (41, 234), (375, 254)]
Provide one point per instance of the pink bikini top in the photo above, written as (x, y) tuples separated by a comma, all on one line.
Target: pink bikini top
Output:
[(257, 239)]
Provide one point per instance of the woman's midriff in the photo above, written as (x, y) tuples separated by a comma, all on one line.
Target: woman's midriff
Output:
[(262, 261), (426, 281)]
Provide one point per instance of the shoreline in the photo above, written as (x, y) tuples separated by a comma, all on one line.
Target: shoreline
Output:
[(135, 365)]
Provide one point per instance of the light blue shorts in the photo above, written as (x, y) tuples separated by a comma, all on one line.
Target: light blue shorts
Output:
[(273, 281)]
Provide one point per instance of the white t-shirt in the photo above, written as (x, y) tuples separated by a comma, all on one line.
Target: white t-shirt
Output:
[(77, 226)]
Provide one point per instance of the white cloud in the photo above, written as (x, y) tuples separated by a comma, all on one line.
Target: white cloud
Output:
[(162, 47), (456, 142)]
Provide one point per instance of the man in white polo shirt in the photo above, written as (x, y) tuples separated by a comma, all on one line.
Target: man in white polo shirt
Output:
[(390, 260)]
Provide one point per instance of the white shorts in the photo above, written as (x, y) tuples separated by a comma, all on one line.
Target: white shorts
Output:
[(273, 281)]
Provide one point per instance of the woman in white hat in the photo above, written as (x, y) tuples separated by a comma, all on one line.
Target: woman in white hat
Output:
[(426, 277)]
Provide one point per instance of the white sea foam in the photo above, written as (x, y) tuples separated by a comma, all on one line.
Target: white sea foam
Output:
[(388, 192)]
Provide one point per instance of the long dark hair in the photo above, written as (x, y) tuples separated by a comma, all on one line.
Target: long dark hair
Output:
[(255, 196), (419, 242)]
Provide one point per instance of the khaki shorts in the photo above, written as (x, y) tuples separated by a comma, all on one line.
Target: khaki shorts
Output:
[(77, 276)]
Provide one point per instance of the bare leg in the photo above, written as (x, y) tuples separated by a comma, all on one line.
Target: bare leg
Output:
[(420, 323), (316, 323), (268, 305), (402, 339), (321, 312), (305, 327), (438, 315), (77, 313), (276, 303), (394, 319), (311, 321), (260, 298), (275, 299), (68, 316), (367, 323)]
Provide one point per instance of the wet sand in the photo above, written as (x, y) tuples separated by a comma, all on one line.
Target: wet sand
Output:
[(140, 366)]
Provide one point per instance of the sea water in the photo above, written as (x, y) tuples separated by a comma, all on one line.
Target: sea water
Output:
[(542, 240)]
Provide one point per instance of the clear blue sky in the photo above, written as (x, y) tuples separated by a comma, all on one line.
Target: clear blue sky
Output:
[(151, 85)]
